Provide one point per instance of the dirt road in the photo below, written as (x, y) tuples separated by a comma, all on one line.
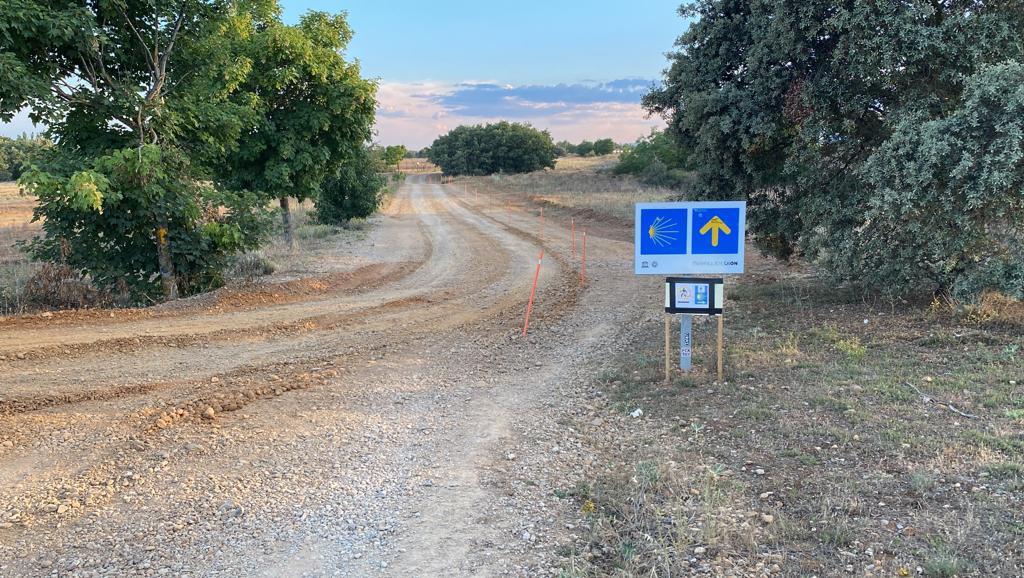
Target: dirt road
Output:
[(383, 418)]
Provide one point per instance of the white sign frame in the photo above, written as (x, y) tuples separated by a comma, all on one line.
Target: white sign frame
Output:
[(686, 262)]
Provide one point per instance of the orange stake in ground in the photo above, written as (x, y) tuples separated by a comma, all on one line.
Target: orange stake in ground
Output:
[(572, 221), (583, 266), (533, 292)]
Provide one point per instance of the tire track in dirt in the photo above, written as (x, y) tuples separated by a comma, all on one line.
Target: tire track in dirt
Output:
[(446, 302)]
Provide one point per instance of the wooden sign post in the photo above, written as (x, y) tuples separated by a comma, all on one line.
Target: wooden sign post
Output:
[(695, 238)]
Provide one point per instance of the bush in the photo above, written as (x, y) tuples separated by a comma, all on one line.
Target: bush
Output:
[(353, 192), (655, 160), (494, 148), (249, 266)]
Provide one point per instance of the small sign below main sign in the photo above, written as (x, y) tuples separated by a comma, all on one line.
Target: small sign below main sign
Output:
[(694, 237), (694, 295)]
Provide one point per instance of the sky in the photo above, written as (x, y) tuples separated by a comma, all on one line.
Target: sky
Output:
[(575, 68)]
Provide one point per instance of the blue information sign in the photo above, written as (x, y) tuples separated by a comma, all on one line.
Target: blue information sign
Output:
[(704, 237)]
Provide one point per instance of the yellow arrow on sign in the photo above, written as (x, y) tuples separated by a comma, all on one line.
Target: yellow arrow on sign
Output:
[(715, 225)]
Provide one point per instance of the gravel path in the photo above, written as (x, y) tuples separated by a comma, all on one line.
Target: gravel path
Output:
[(401, 428)]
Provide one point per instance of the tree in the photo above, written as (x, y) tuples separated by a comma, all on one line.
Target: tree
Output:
[(394, 154), (502, 147), (119, 195), (605, 146), (313, 111), (353, 191), (563, 148), (801, 107), (585, 148)]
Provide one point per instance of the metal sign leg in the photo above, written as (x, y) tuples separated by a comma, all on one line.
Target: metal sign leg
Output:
[(686, 342)]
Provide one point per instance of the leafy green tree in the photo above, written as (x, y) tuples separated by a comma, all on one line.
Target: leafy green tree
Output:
[(119, 197), (501, 147), (353, 191), (313, 111), (585, 148), (605, 146), (787, 104), (563, 148), (394, 154)]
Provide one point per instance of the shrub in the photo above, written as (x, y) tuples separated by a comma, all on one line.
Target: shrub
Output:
[(605, 146), (249, 266), (655, 160), (57, 286)]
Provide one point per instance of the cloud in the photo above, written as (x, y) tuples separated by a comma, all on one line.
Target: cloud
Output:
[(416, 113), (487, 100)]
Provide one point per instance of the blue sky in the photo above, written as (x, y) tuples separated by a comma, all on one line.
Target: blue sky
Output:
[(575, 68)]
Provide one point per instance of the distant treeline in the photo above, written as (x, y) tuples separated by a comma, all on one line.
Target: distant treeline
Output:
[(605, 146), (16, 155)]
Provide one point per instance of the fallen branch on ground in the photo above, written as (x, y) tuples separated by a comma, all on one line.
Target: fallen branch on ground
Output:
[(929, 399)]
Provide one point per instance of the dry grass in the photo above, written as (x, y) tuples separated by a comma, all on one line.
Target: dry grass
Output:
[(815, 457), (15, 226), (416, 165), (580, 185), (817, 428)]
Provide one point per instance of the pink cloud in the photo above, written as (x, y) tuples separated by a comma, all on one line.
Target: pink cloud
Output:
[(414, 114)]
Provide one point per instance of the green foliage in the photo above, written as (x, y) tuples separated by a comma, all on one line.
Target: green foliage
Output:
[(655, 160), (970, 164), (16, 155), (585, 148), (502, 147), (104, 217), (831, 120), (394, 154), (564, 147), (353, 192), (313, 110), (605, 146)]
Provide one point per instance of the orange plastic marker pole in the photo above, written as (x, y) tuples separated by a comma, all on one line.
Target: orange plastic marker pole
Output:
[(533, 291), (573, 222), (583, 268)]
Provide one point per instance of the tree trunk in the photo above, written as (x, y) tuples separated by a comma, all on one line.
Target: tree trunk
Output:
[(163, 251), (286, 218)]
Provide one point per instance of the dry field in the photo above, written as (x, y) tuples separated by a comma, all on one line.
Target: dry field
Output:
[(15, 225), (582, 185), (417, 165)]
